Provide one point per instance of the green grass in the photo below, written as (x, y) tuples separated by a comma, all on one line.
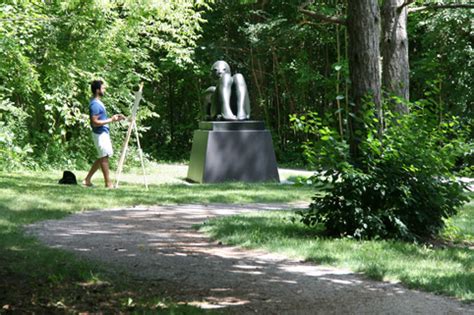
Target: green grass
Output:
[(447, 270), (38, 279), (34, 278), (461, 227)]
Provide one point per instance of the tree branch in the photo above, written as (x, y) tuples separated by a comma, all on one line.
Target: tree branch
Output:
[(406, 3), (306, 22), (441, 6), (323, 18)]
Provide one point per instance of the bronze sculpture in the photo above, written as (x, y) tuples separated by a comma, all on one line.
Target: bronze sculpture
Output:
[(229, 146), (229, 99)]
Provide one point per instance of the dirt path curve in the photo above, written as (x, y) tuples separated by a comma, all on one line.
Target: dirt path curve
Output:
[(158, 243)]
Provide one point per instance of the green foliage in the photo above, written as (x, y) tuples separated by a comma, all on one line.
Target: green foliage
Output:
[(287, 63), (442, 52), (323, 146), (13, 150), (401, 187), (51, 51)]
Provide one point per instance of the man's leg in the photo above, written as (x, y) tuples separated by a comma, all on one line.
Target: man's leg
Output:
[(94, 168), (104, 164)]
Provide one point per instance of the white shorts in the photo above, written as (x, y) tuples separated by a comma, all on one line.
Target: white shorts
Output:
[(103, 144)]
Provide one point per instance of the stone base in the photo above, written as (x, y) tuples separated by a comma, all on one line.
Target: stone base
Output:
[(232, 151)]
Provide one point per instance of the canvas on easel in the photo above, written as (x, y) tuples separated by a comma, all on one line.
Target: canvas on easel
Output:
[(133, 125)]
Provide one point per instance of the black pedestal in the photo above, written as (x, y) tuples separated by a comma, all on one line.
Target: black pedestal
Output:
[(232, 151)]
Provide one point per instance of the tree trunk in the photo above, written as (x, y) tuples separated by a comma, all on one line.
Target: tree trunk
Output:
[(171, 105), (363, 25), (395, 66), (338, 82)]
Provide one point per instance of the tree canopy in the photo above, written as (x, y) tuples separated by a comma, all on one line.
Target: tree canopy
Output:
[(294, 55)]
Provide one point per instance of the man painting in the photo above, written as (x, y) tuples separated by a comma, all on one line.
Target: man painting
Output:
[(100, 133)]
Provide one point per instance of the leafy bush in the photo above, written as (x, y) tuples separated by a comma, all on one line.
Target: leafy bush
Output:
[(401, 187), (14, 153), (465, 163), (51, 51)]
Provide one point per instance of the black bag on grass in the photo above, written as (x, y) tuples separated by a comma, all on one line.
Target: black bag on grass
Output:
[(68, 178)]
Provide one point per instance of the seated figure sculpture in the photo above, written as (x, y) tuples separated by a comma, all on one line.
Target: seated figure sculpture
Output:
[(229, 99)]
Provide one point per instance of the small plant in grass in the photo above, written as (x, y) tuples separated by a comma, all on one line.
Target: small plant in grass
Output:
[(401, 187)]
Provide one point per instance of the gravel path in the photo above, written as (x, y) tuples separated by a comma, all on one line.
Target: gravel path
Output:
[(158, 243)]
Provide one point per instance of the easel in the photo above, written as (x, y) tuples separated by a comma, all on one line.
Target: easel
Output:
[(133, 125)]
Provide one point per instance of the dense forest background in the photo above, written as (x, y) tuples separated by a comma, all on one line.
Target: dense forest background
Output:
[(296, 67)]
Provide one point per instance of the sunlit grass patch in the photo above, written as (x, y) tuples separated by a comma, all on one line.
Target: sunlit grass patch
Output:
[(461, 227), (447, 270), (37, 279)]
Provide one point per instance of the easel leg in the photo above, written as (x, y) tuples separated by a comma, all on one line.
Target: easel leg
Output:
[(140, 152), (138, 96), (122, 157)]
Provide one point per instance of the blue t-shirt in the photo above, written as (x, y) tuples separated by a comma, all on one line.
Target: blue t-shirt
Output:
[(96, 107)]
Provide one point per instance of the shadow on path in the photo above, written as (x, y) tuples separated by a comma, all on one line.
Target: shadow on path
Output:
[(158, 244)]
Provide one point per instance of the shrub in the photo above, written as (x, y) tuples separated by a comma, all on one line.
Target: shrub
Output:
[(401, 187), (14, 152)]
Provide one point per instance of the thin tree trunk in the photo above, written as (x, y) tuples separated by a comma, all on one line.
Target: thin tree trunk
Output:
[(277, 95), (440, 103), (259, 98), (291, 100), (264, 101), (327, 72), (395, 65), (363, 23), (338, 79), (346, 85), (171, 106)]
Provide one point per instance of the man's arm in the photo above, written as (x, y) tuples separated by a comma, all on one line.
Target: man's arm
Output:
[(96, 122)]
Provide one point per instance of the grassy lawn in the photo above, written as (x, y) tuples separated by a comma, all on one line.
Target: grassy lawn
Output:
[(34, 278), (463, 224), (38, 279), (441, 269)]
